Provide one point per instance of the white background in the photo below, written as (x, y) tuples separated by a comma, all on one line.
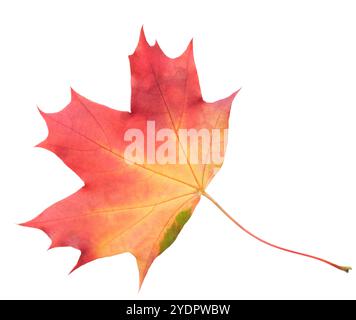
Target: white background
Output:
[(290, 170)]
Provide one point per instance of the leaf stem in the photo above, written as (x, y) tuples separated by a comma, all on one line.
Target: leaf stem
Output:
[(343, 268)]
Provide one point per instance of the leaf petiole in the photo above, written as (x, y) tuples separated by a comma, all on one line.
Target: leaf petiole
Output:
[(343, 268)]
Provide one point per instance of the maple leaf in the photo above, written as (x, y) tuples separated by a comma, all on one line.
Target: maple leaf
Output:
[(135, 206)]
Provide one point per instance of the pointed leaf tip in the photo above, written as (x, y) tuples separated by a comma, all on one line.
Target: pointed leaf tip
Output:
[(73, 94), (142, 269), (22, 224), (142, 38), (159, 50), (81, 261), (27, 224), (142, 43), (42, 113), (233, 95), (41, 145), (189, 50), (51, 246), (191, 44)]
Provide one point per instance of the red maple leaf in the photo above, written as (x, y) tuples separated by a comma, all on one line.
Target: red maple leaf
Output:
[(137, 204)]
